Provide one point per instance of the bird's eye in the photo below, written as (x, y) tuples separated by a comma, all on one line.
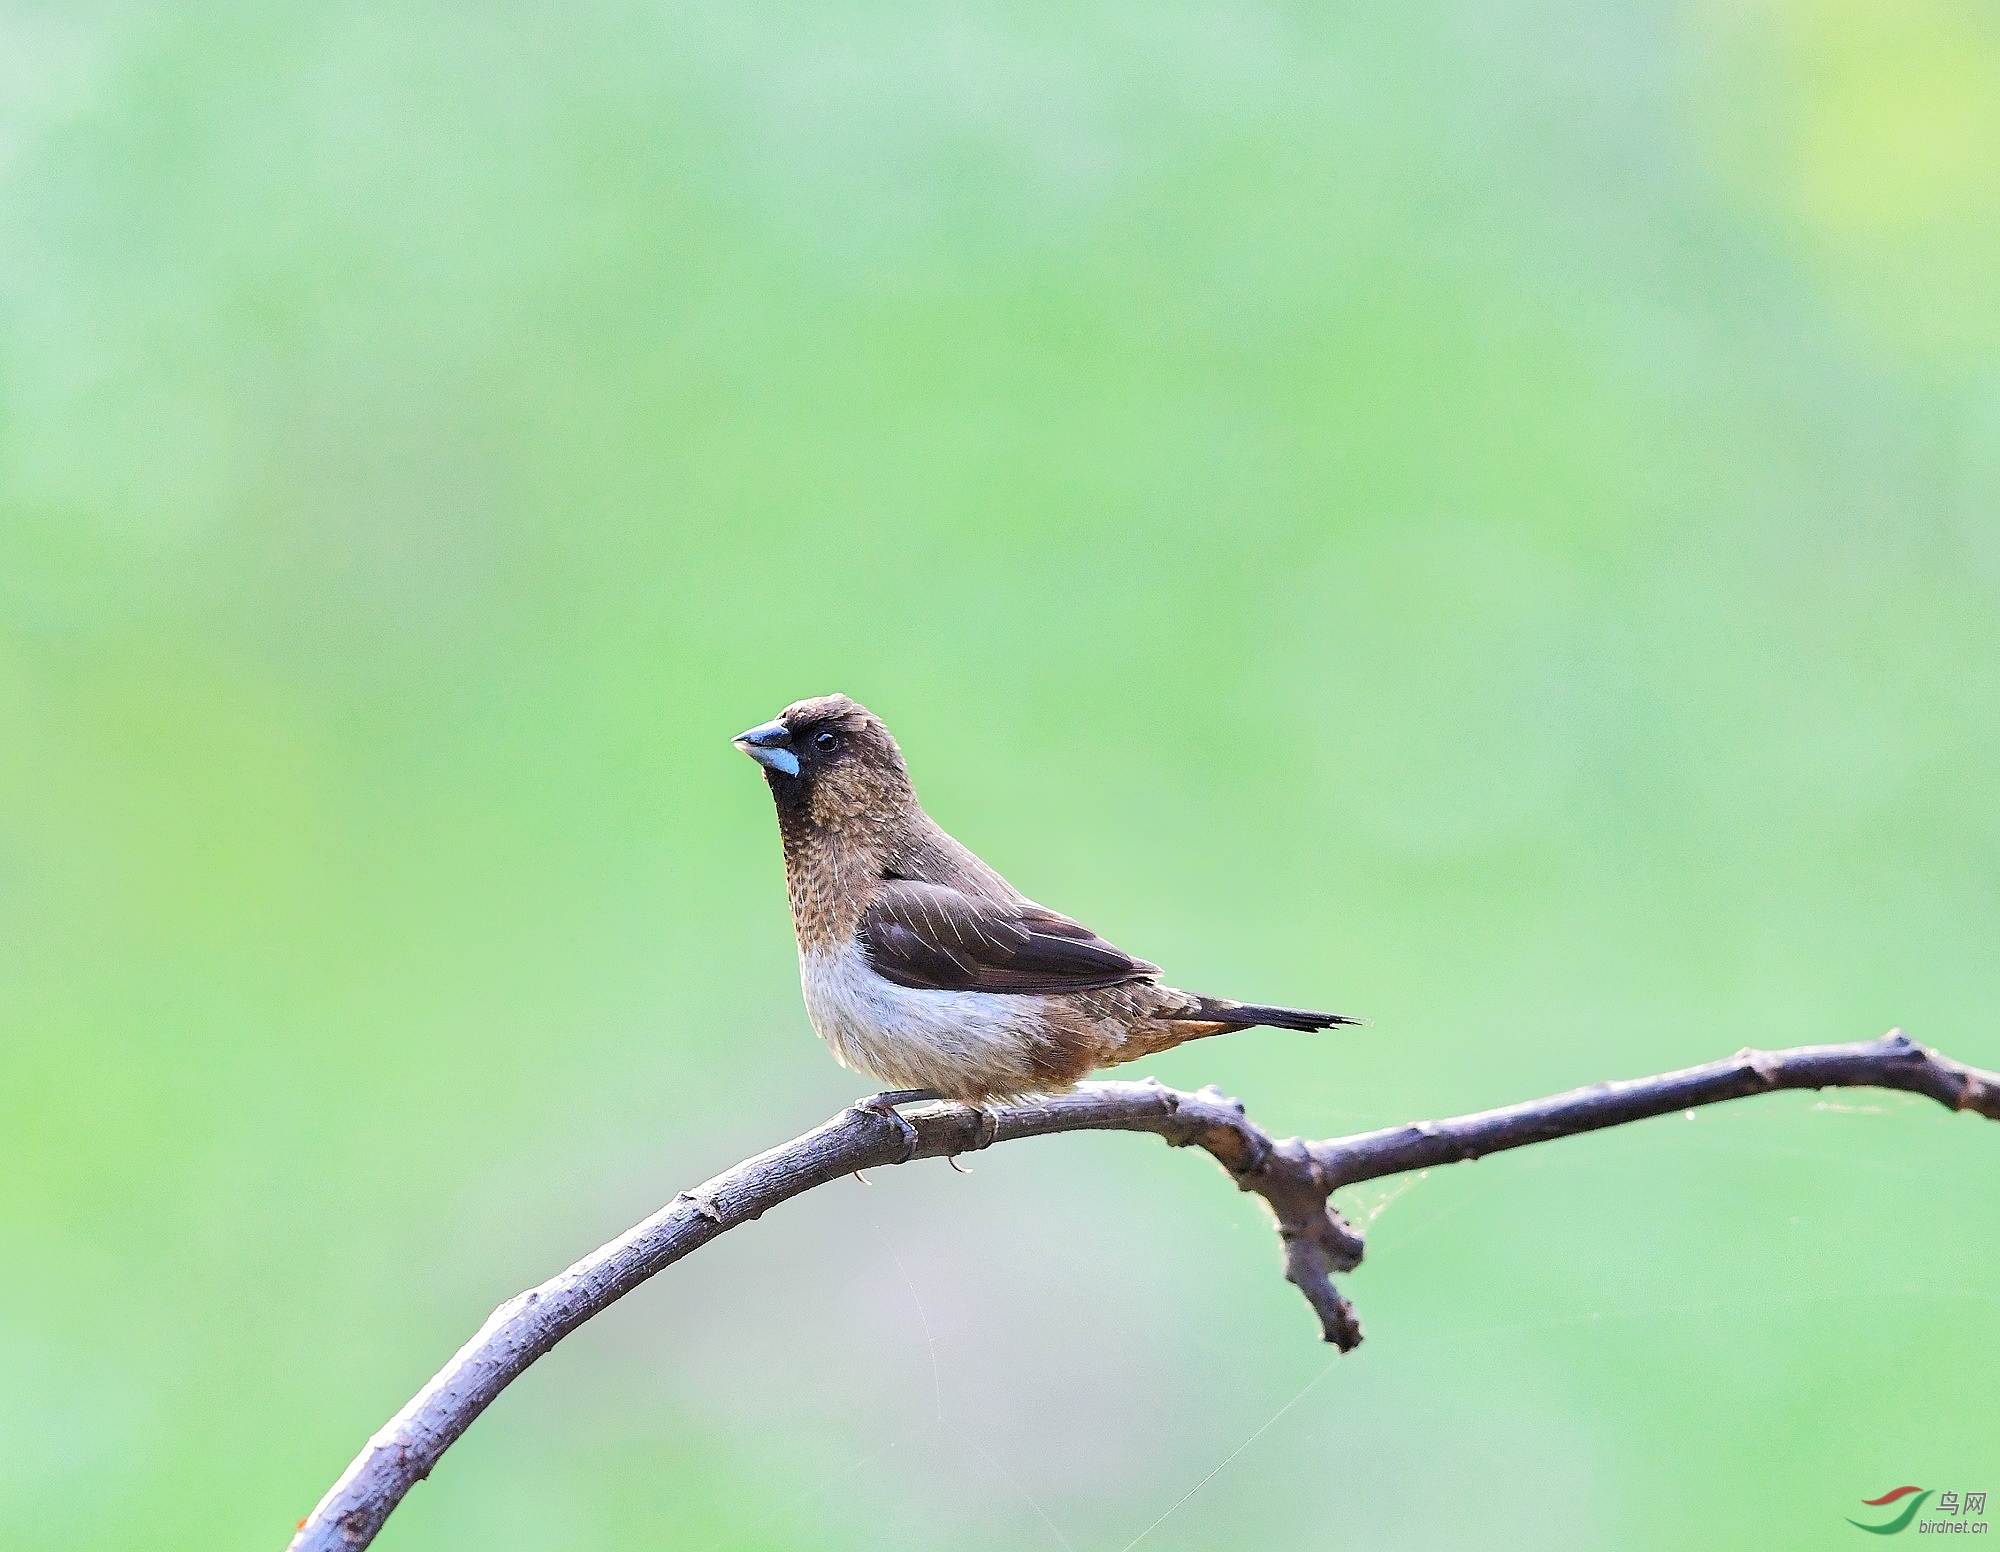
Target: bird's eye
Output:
[(826, 743)]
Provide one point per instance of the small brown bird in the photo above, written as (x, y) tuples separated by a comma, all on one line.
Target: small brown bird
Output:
[(927, 970)]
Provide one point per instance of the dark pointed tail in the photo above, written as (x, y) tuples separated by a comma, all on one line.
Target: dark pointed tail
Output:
[(1245, 1014)]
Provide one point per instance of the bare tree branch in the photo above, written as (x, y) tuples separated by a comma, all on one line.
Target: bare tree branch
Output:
[(1293, 1177)]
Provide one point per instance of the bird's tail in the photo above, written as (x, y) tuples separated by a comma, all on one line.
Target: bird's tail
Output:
[(1243, 1015)]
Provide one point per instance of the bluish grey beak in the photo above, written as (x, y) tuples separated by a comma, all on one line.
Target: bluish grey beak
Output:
[(770, 745)]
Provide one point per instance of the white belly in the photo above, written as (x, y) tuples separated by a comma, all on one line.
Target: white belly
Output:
[(909, 1038)]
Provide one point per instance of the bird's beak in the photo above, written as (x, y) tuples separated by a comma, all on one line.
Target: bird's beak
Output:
[(770, 745)]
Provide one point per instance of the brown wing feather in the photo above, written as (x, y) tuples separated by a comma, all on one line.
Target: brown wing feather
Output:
[(934, 938)]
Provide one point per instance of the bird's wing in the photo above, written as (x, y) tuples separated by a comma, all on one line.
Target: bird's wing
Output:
[(935, 938)]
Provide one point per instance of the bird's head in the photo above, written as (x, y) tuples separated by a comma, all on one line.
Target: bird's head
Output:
[(831, 759)]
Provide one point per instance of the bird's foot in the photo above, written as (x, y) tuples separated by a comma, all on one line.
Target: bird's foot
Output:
[(884, 1105), (888, 1099)]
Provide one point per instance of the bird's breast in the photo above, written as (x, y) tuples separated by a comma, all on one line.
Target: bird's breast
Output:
[(959, 1043)]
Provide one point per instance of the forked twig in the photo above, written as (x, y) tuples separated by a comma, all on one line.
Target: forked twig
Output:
[(1293, 1177)]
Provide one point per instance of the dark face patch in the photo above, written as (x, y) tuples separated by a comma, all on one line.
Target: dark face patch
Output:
[(821, 743), (849, 766)]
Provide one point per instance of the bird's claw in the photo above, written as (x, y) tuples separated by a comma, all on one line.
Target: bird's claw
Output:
[(884, 1105), (888, 1099)]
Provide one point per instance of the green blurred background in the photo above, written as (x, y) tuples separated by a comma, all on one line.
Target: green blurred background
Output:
[(1481, 516)]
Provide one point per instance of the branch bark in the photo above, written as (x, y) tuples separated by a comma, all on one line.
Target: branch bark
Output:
[(1293, 1177)]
